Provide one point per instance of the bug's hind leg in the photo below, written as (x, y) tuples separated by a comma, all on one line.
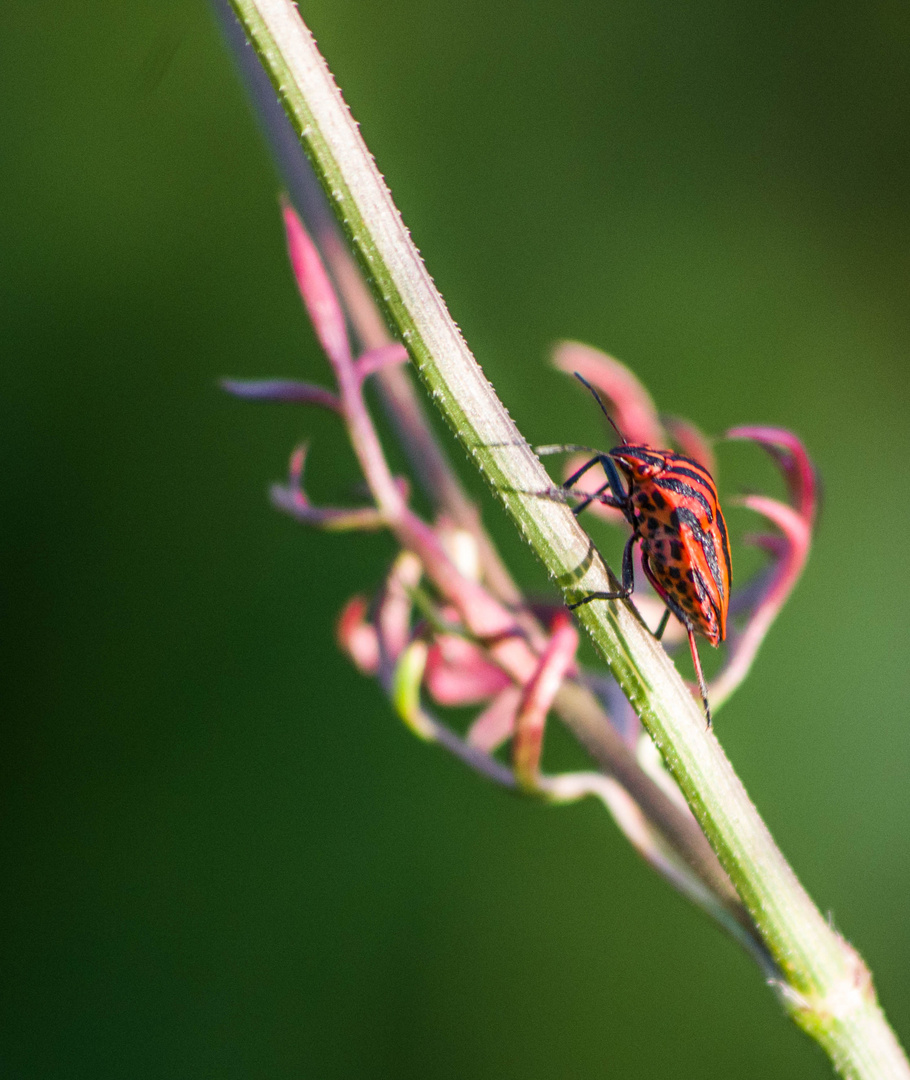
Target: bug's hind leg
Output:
[(628, 580), (702, 685), (662, 625), (598, 596)]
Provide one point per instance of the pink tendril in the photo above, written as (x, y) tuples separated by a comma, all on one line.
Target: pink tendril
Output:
[(292, 498), (282, 390), (538, 696), (460, 673), (357, 637), (692, 441), (796, 465), (789, 550)]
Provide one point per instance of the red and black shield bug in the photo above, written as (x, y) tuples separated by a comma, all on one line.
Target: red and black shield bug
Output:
[(671, 503)]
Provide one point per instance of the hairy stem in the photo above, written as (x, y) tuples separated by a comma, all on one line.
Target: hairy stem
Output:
[(827, 989)]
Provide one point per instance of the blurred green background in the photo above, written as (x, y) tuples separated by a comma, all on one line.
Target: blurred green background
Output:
[(222, 854)]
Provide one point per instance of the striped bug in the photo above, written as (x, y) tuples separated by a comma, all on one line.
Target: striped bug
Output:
[(671, 503)]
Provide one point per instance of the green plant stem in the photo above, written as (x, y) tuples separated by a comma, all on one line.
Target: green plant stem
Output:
[(827, 988)]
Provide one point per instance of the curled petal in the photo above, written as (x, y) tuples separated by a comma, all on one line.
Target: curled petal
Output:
[(330, 518), (406, 680), (357, 637), (406, 683), (793, 460), (393, 618), (496, 723), (282, 390), (460, 672), (692, 441), (538, 696), (790, 551), (768, 591), (634, 411), (317, 290), (292, 498), (381, 357)]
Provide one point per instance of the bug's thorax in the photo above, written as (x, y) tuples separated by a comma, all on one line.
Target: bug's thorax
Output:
[(648, 511)]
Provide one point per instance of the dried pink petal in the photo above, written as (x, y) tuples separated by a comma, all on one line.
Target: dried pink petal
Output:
[(538, 696), (794, 461), (357, 637), (317, 290), (459, 672), (282, 390), (497, 721), (692, 441)]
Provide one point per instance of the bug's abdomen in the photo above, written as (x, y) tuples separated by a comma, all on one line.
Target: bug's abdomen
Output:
[(668, 563), (684, 590)]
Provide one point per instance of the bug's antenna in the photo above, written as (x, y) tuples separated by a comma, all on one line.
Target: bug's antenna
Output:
[(603, 408)]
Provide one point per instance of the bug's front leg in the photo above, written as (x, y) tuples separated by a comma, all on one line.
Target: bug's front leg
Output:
[(619, 497), (628, 579), (605, 500)]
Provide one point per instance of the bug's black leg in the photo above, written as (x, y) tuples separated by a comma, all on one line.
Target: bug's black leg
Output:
[(628, 580), (601, 497), (662, 625), (619, 497), (598, 459), (628, 572), (597, 596)]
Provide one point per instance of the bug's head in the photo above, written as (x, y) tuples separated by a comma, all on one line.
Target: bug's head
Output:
[(638, 462)]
